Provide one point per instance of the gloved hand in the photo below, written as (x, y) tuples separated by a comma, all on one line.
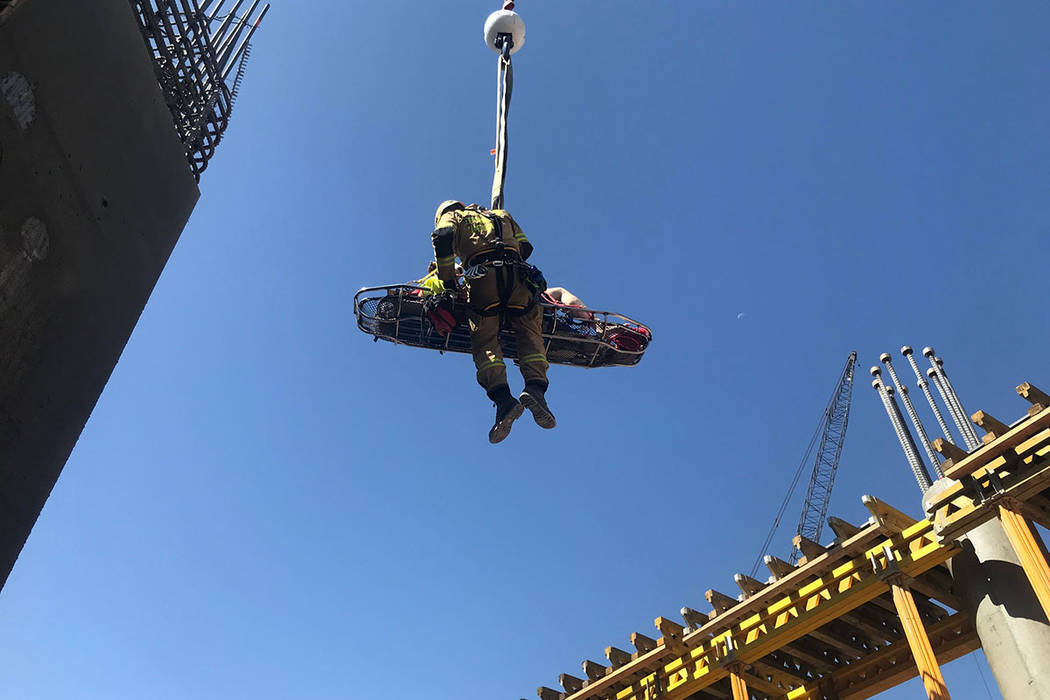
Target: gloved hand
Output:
[(440, 310), (534, 279)]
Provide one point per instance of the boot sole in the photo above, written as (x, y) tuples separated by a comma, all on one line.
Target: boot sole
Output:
[(501, 430), (543, 417)]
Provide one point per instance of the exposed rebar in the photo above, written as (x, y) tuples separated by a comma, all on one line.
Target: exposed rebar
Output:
[(953, 410), (954, 396), (192, 61), (909, 355), (911, 452), (239, 51), (912, 414)]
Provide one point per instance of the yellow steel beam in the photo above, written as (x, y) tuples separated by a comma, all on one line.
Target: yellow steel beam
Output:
[(951, 638), (1005, 478), (982, 455), (1026, 544), (845, 587), (892, 665), (921, 650), (739, 686), (1021, 477)]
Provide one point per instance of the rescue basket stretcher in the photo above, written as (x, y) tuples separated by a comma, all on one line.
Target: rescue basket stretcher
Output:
[(602, 339)]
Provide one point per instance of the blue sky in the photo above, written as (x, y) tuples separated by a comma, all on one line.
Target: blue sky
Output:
[(267, 504)]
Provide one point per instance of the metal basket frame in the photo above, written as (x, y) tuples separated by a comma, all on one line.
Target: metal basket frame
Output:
[(561, 329)]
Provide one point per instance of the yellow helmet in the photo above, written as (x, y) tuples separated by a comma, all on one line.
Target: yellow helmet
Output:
[(447, 205)]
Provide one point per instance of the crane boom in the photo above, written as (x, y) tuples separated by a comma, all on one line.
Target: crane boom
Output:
[(832, 431), (821, 481)]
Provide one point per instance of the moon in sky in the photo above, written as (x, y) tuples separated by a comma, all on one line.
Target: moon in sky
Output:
[(740, 315)]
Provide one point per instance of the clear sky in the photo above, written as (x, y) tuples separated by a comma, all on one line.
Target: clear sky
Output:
[(267, 504)]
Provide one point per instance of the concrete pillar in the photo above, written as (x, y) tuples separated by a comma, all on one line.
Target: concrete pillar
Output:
[(1010, 622), (95, 189)]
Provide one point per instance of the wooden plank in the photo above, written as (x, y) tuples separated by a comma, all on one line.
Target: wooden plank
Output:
[(571, 683), (842, 529), (1011, 439), (803, 650), (937, 585), (992, 427), (889, 519), (739, 686), (1033, 394), (1029, 548), (893, 665), (844, 646), (949, 450), (672, 634), (1031, 484), (815, 604), (931, 612), (851, 547), (906, 670), (617, 657), (747, 585), (1037, 509), (776, 673), (640, 664), (694, 618), (715, 691), (919, 642), (876, 632), (642, 643), (760, 684), (719, 601), (778, 567), (913, 562), (594, 670), (546, 693), (810, 549), (804, 600)]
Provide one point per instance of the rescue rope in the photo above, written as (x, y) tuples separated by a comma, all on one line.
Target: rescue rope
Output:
[(504, 88)]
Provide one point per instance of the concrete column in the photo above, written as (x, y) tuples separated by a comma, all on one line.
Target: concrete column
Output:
[(1010, 622), (94, 192)]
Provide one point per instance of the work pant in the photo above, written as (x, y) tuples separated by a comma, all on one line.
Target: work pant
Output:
[(484, 295)]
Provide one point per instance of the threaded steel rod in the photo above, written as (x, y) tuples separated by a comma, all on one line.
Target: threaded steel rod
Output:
[(939, 363), (909, 355), (912, 414), (911, 453)]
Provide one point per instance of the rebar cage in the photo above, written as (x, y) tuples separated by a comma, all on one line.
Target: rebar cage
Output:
[(192, 64), (573, 335)]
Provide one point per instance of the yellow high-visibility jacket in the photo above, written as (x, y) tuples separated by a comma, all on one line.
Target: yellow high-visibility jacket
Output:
[(467, 233), (432, 284)]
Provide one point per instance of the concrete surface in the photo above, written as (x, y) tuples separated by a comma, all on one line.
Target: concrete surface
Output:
[(1010, 622), (95, 192)]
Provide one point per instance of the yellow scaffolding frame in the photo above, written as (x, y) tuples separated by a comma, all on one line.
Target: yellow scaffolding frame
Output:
[(868, 612)]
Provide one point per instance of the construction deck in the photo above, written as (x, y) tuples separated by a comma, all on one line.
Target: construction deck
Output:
[(855, 617)]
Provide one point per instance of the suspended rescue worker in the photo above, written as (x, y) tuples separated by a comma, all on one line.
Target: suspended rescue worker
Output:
[(500, 286)]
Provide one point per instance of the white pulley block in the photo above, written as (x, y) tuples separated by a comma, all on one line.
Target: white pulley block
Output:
[(505, 22)]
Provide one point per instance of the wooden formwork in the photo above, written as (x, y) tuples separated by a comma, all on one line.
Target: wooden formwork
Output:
[(873, 609), (1007, 478), (826, 627)]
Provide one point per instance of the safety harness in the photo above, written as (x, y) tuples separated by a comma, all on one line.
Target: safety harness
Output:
[(509, 268)]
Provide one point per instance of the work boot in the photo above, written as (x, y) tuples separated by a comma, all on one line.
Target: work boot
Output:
[(507, 411), (532, 399)]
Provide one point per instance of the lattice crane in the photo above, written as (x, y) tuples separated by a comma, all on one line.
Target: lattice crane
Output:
[(832, 432)]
